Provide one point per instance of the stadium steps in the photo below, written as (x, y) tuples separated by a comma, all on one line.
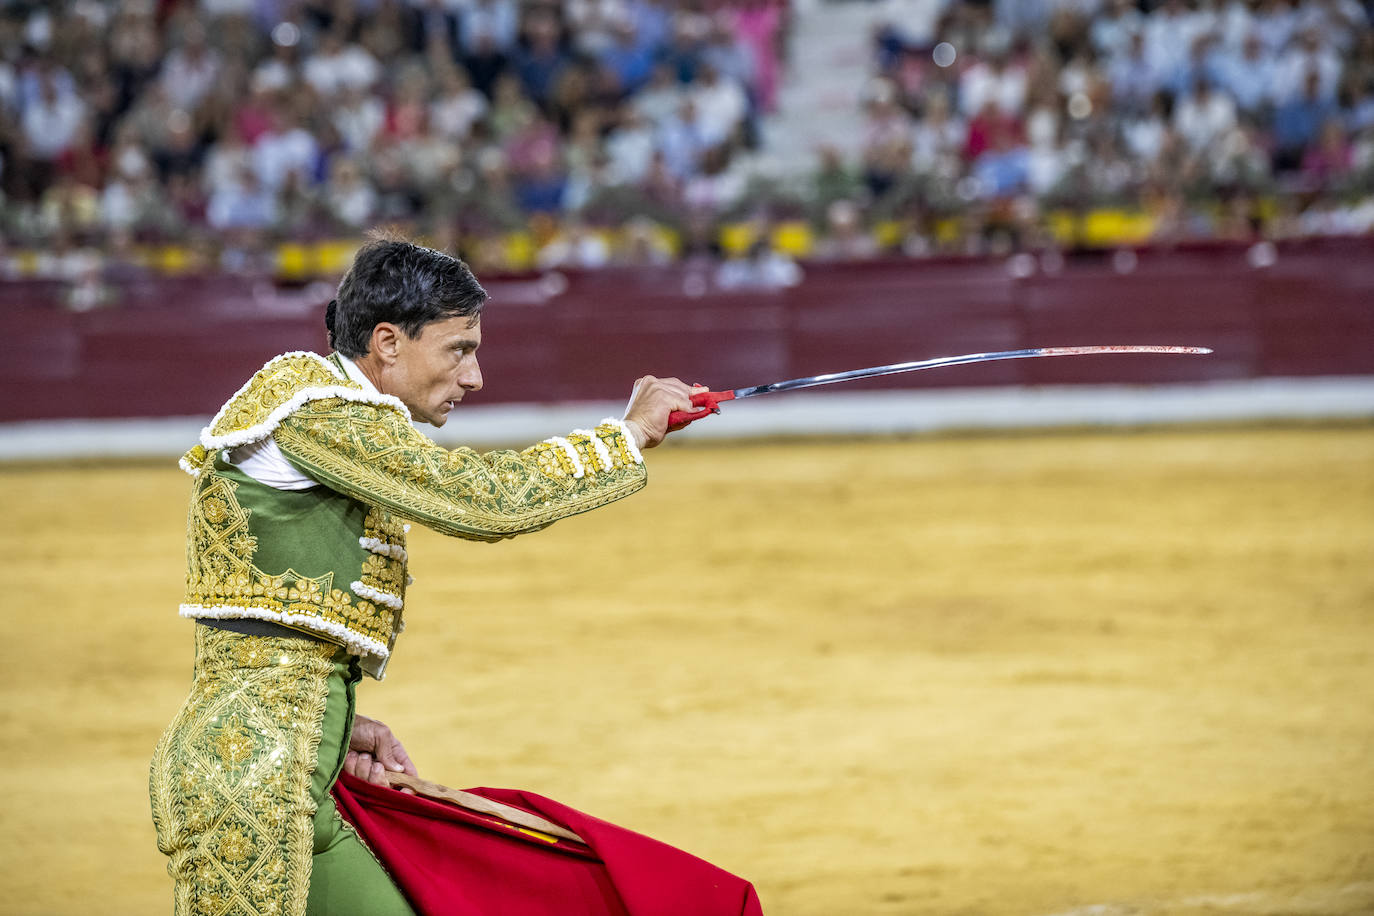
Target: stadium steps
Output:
[(830, 61)]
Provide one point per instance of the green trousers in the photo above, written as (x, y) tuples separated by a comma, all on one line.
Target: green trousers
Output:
[(240, 781)]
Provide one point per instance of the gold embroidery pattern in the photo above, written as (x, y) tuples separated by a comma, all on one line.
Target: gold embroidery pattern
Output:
[(383, 526), (230, 779), (373, 454), (553, 460), (385, 572), (614, 439), (196, 461), (221, 572), (270, 387)]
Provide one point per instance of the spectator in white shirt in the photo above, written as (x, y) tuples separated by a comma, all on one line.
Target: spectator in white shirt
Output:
[(1308, 54), (1249, 75), (1169, 35), (938, 137), (660, 98), (1235, 23), (1275, 22), (595, 22), (1144, 133), (337, 66), (52, 121), (1079, 75), (31, 80), (359, 117), (488, 24), (728, 53), (1046, 159), (1133, 76), (349, 196), (287, 148), (914, 22), (630, 147), (281, 70), (242, 204), (458, 106), (226, 158), (1204, 115), (721, 105), (682, 141), (191, 71), (994, 80), (1111, 32)]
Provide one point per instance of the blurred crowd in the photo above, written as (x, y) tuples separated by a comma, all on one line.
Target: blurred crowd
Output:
[(234, 124), (252, 120), (1215, 119)]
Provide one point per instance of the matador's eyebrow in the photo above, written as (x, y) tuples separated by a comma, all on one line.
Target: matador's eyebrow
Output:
[(465, 344)]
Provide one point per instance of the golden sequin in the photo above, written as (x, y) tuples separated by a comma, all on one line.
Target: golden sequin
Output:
[(234, 743)]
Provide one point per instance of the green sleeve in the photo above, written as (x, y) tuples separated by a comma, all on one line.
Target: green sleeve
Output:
[(372, 453)]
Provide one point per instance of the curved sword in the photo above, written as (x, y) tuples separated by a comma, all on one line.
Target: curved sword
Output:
[(708, 401)]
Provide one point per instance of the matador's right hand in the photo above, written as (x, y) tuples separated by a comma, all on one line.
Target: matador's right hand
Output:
[(650, 403)]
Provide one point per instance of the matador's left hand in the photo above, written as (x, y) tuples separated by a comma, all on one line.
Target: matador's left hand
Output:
[(373, 749)]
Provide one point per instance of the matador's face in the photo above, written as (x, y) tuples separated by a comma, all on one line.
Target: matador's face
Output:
[(432, 372)]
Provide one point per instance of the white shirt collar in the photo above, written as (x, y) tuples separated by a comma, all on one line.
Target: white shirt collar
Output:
[(355, 374)]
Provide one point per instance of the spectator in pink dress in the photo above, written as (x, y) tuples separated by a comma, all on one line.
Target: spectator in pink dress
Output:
[(757, 23), (253, 117)]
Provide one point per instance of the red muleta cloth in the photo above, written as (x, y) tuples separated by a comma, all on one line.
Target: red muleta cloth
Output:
[(452, 862)]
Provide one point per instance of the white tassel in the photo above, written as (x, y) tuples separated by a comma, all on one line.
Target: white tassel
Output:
[(334, 370), (571, 451), (299, 399), (189, 468), (372, 594), (603, 454), (383, 548), (353, 642), (630, 445)]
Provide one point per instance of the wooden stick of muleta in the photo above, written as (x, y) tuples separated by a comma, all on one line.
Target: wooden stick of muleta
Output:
[(471, 802)]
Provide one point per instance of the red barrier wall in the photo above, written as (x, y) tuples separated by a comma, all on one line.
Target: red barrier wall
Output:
[(180, 346)]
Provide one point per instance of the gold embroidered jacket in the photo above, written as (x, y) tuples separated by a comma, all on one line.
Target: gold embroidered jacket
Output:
[(332, 559)]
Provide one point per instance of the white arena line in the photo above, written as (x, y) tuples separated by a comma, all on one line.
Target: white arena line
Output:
[(818, 413)]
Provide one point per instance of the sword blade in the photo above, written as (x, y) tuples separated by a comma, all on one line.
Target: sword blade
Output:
[(875, 371)]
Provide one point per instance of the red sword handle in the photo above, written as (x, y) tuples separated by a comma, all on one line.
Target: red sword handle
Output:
[(708, 401)]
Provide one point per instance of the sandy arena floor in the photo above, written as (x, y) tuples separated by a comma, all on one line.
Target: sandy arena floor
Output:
[(1100, 674)]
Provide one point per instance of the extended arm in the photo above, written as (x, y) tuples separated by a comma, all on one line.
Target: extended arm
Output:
[(373, 454)]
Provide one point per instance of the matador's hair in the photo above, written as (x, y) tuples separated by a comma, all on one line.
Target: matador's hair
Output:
[(397, 281)]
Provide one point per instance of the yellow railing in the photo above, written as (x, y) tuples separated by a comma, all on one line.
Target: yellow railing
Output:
[(519, 250)]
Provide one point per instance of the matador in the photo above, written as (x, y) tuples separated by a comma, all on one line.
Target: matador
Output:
[(305, 484)]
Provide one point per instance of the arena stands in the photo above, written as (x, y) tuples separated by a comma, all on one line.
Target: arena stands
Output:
[(252, 135)]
